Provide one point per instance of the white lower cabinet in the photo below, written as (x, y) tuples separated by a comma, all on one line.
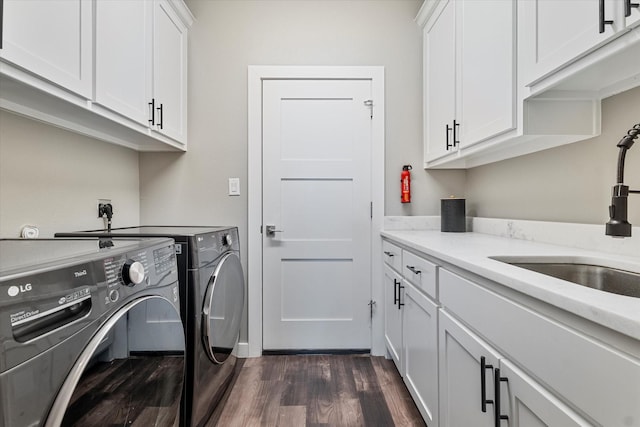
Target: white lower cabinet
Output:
[(480, 387), (590, 375), (420, 339), (472, 356), (530, 404), (464, 386), (411, 325), (393, 315)]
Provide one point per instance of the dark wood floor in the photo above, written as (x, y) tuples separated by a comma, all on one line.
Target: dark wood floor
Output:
[(139, 391), (318, 390)]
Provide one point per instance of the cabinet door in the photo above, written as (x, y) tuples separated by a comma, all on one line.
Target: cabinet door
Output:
[(579, 380), (393, 316), (170, 71), (532, 405), (556, 32), (52, 39), (420, 339), (486, 67), (439, 81), (123, 57), (631, 14), (460, 353)]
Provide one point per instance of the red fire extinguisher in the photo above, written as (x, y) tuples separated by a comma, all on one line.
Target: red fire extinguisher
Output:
[(405, 184)]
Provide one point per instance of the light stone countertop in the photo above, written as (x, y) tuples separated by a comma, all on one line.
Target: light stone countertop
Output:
[(471, 252)]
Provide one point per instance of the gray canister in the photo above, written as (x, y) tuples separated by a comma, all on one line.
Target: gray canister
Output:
[(452, 215)]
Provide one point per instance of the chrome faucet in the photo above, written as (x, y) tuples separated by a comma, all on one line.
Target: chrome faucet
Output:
[(618, 226)]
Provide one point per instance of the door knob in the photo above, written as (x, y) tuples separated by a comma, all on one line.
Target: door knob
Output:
[(271, 230)]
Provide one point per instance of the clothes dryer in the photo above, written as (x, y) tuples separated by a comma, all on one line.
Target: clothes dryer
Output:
[(66, 353), (212, 291)]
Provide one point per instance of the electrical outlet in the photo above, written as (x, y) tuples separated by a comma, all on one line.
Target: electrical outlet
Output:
[(102, 203)]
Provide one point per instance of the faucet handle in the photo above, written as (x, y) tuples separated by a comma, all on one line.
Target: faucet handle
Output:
[(618, 226)]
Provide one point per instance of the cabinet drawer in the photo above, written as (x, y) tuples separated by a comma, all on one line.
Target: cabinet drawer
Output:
[(600, 381), (419, 272), (392, 255)]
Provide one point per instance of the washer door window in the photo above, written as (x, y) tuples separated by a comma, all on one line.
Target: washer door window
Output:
[(112, 385), (223, 305)]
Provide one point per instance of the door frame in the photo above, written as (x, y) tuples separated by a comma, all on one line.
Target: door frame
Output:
[(256, 76)]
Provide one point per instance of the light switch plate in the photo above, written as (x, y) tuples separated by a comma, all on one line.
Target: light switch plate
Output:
[(234, 186)]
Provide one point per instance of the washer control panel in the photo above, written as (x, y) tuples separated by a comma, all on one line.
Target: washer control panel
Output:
[(131, 272), (164, 259), (127, 270)]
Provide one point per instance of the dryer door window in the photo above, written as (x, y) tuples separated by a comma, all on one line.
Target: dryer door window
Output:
[(223, 306)]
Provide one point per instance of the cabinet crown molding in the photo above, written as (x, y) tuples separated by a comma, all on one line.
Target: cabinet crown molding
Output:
[(425, 12)]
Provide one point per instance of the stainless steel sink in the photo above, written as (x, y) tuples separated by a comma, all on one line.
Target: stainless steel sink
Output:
[(604, 278)]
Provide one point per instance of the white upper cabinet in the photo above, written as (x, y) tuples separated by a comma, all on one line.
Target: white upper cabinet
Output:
[(124, 49), (486, 69), (52, 39), (440, 82), (556, 33), (114, 70), (169, 72), (141, 64), (469, 74), (507, 78)]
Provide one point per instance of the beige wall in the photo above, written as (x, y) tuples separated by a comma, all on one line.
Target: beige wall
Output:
[(53, 178), (227, 37), (571, 183)]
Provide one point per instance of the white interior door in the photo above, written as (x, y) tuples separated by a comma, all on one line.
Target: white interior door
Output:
[(317, 195)]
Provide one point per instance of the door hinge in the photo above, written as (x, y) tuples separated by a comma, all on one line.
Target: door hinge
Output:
[(369, 103), (371, 304), (371, 210)]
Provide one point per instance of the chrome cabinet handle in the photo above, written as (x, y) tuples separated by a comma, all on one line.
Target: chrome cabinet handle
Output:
[(271, 230), (389, 254)]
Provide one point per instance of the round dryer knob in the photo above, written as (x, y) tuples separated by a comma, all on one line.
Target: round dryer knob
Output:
[(132, 272), (227, 240)]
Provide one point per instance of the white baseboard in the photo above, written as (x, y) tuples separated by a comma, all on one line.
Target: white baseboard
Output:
[(242, 350)]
